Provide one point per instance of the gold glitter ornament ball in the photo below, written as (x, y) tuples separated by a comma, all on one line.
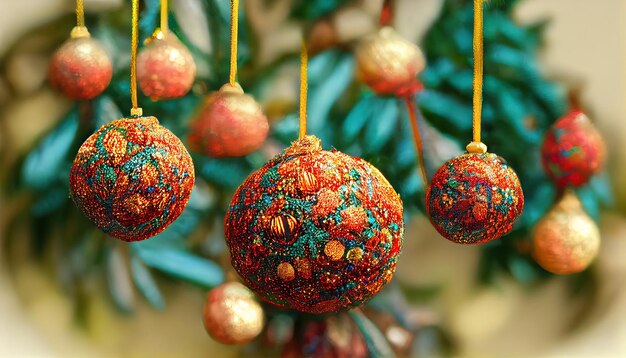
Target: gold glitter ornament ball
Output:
[(232, 314), (132, 178), (388, 63), (165, 68), (230, 123), (80, 68), (566, 240)]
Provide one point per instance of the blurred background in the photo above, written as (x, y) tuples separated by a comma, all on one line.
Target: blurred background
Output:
[(462, 301)]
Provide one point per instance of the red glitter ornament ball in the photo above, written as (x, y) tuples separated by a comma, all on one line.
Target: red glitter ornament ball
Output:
[(80, 68), (573, 150), (474, 198), (389, 64), (315, 231), (132, 178), (165, 68), (230, 123)]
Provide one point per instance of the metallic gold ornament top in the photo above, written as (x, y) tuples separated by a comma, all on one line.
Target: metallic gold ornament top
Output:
[(232, 314), (566, 240), (388, 63), (80, 68), (132, 178), (315, 231), (165, 68)]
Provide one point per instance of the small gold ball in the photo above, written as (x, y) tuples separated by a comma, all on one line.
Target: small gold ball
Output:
[(566, 240), (355, 255), (387, 62), (334, 249), (286, 271), (232, 314)]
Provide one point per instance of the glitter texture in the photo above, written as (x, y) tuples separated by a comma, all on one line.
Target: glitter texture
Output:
[(474, 198), (132, 178), (316, 231), (566, 240), (80, 69), (230, 123), (573, 150), (232, 315), (165, 68), (389, 64)]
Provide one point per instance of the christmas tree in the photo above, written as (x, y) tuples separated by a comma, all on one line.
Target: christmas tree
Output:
[(519, 106)]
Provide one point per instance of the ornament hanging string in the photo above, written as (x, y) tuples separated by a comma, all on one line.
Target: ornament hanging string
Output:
[(234, 33), (164, 26), (80, 14), (135, 110), (417, 139), (304, 59), (476, 146), (386, 14)]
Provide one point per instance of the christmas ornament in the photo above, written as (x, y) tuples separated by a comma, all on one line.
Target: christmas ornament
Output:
[(232, 315), (313, 230), (80, 68), (573, 150), (475, 197), (165, 67), (566, 240), (230, 123), (132, 177), (388, 63), (335, 337)]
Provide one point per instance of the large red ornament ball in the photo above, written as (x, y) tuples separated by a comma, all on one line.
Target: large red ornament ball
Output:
[(165, 68), (80, 68), (573, 150), (132, 178), (230, 123), (388, 63), (315, 231), (474, 198)]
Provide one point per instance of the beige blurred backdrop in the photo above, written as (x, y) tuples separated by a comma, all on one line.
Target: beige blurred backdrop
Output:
[(586, 41)]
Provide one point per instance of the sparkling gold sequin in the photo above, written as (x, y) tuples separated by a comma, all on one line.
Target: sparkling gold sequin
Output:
[(355, 254), (286, 271), (334, 249)]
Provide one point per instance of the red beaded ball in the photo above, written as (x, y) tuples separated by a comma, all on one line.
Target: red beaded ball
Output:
[(315, 231), (165, 68), (230, 123), (573, 150), (132, 178), (474, 198), (80, 68)]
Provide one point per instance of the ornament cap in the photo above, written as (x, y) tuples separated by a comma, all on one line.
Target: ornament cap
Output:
[(476, 148), (158, 34), (136, 112), (232, 88), (569, 201), (308, 144), (79, 32)]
